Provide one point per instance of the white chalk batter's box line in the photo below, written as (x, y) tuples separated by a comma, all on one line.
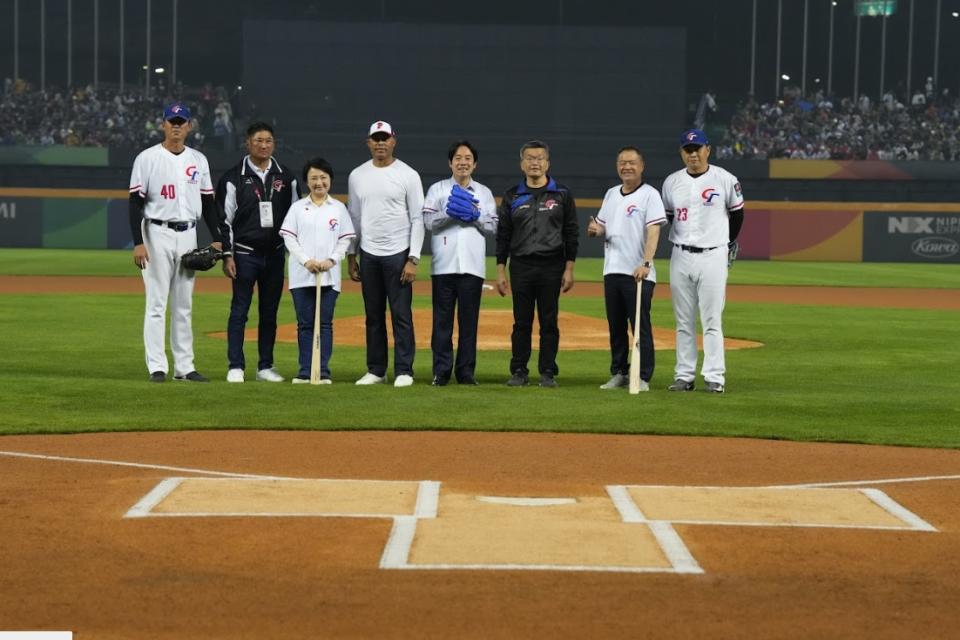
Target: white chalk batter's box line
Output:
[(428, 496), (630, 512)]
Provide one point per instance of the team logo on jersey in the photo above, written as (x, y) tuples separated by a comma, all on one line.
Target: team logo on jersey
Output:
[(334, 224), (277, 184), (632, 209), (193, 174), (550, 204), (708, 195), (737, 189)]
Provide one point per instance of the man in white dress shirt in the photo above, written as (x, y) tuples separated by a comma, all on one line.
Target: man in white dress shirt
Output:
[(386, 205), (458, 211)]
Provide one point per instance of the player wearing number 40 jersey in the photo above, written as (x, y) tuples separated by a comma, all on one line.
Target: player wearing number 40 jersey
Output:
[(704, 203), (170, 189)]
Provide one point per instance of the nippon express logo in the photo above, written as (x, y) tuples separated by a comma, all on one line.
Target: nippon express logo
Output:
[(933, 225), (935, 247)]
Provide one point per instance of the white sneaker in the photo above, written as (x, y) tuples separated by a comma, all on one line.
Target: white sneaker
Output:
[(269, 375), (369, 378), (326, 381), (300, 381), (644, 385), (617, 381), (235, 375), (403, 380)]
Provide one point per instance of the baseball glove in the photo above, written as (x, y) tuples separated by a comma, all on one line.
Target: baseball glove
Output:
[(200, 259), (732, 250)]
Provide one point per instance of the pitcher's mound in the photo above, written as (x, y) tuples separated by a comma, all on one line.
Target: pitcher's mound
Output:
[(576, 332)]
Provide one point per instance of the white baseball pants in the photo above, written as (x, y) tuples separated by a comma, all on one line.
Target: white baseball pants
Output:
[(698, 281), (166, 282)]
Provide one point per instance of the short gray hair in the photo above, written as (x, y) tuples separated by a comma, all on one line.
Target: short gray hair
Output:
[(534, 144)]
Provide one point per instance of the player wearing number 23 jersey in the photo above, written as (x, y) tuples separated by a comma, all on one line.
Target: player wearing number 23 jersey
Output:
[(705, 206)]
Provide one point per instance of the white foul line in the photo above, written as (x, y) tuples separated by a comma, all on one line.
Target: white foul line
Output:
[(139, 465), (157, 495), (628, 509), (897, 510), (858, 483)]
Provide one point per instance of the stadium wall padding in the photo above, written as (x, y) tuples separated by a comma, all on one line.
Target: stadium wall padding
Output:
[(793, 231)]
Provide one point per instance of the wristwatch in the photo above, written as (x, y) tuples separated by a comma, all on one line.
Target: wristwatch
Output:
[(413, 260), (647, 265)]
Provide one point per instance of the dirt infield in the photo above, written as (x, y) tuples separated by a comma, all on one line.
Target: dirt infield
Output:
[(71, 560), (839, 296), (478, 535)]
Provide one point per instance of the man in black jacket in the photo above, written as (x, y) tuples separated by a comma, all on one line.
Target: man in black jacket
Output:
[(253, 199), (538, 233)]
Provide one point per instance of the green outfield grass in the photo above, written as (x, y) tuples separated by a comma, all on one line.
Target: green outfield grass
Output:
[(74, 363)]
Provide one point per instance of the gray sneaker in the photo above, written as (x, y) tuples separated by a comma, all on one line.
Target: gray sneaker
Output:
[(518, 379), (617, 381), (681, 385), (714, 387), (548, 381)]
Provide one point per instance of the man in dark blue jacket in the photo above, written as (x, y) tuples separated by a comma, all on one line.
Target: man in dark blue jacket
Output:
[(253, 199), (538, 234)]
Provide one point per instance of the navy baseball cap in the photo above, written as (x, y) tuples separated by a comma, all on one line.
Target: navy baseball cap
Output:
[(693, 137), (176, 110)]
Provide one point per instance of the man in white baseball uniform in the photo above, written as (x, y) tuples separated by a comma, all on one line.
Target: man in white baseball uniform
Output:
[(629, 220), (170, 189), (458, 212), (386, 205), (704, 204)]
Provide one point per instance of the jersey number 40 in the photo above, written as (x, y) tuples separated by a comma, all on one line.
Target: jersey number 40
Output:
[(168, 192)]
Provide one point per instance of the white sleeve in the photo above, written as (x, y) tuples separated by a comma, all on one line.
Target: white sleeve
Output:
[(415, 210), (230, 204), (655, 213), (434, 217), (734, 193), (289, 230), (488, 212), (138, 182), (354, 206), (347, 234), (206, 185), (603, 214), (665, 194)]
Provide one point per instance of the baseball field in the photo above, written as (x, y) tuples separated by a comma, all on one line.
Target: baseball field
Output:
[(818, 497)]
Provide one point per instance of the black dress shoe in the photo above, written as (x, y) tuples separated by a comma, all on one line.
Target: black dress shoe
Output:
[(469, 381), (158, 376), (439, 381)]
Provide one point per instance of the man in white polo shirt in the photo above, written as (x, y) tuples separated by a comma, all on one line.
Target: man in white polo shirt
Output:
[(458, 211), (386, 205), (629, 220)]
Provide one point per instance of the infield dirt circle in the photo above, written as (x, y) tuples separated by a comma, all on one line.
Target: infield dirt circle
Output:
[(255, 534)]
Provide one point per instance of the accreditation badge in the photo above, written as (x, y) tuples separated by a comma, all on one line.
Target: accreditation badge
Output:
[(266, 215)]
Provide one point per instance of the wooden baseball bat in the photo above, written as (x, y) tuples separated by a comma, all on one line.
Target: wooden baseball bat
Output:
[(635, 360), (315, 359)]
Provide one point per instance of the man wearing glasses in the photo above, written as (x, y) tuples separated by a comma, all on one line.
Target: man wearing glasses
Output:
[(537, 233)]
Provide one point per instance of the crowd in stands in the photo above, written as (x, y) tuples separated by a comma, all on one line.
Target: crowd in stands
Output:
[(818, 127), (84, 116)]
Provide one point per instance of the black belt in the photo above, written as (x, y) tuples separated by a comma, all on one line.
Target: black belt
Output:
[(686, 247), (176, 226)]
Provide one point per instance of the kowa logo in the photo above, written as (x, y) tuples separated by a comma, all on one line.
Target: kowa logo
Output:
[(8, 210), (935, 247)]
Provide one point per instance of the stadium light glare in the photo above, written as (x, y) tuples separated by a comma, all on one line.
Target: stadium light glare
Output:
[(784, 77), (159, 70), (956, 14)]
